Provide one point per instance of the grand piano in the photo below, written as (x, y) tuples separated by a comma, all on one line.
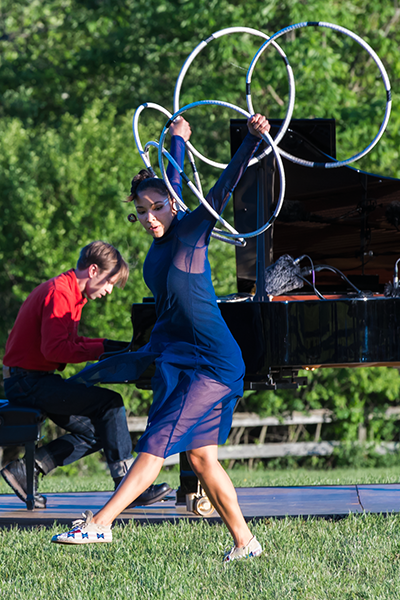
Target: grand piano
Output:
[(343, 218)]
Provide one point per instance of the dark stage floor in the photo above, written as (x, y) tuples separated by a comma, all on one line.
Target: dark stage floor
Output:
[(256, 503)]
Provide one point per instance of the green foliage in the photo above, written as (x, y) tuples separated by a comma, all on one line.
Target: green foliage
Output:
[(63, 189), (354, 455), (60, 56), (353, 396)]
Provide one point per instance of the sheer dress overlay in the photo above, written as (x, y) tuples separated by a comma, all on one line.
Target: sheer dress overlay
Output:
[(199, 366)]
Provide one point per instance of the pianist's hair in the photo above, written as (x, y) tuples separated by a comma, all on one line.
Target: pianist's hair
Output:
[(144, 180), (107, 258)]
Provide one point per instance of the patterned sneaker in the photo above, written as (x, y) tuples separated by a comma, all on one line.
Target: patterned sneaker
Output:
[(253, 548), (84, 532)]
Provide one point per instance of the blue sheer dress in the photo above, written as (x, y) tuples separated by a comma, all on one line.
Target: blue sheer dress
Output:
[(199, 366)]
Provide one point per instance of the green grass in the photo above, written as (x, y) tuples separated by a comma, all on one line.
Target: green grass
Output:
[(355, 558), (241, 477)]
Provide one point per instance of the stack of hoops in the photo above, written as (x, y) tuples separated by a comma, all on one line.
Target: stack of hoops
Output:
[(231, 235)]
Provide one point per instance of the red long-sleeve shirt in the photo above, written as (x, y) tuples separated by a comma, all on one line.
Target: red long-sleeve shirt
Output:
[(45, 334)]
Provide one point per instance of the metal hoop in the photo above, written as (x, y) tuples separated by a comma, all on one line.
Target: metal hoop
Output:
[(374, 56), (216, 233), (144, 153), (232, 234), (190, 185), (192, 56)]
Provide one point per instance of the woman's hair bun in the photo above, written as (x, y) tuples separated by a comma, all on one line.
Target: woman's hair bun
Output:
[(146, 180), (137, 180)]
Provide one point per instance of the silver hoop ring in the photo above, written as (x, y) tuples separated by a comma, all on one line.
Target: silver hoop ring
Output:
[(374, 56), (135, 128), (144, 154), (232, 233), (192, 56)]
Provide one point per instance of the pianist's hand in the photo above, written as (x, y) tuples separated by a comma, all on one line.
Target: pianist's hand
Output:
[(115, 346)]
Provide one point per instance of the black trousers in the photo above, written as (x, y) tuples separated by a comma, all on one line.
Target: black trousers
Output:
[(94, 418)]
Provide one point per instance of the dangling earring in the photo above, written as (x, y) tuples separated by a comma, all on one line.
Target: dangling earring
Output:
[(132, 218)]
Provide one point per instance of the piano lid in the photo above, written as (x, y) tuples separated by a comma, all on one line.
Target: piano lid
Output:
[(341, 217)]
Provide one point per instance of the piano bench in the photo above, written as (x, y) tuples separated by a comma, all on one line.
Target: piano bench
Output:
[(20, 426)]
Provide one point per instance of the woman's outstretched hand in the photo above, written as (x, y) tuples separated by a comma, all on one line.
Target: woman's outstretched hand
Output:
[(180, 127), (258, 124)]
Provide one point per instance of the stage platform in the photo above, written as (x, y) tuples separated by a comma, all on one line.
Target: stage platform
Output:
[(256, 503)]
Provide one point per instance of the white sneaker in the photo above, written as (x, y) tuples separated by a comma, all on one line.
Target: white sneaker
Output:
[(253, 548), (83, 531)]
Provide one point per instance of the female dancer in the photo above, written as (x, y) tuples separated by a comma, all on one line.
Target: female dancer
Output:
[(199, 367)]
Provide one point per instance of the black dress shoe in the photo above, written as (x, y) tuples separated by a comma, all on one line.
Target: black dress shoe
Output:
[(154, 493), (15, 475)]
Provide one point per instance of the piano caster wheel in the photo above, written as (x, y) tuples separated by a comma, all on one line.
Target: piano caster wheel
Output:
[(203, 507), (199, 503)]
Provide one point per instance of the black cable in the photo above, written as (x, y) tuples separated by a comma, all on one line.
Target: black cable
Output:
[(316, 292), (342, 275), (296, 262)]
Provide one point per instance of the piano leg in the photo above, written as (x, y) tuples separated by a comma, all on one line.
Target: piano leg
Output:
[(188, 480)]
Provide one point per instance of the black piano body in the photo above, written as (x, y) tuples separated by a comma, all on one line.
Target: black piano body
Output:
[(280, 337), (342, 217)]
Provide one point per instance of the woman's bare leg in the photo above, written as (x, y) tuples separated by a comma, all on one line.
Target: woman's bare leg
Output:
[(220, 491), (141, 474)]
